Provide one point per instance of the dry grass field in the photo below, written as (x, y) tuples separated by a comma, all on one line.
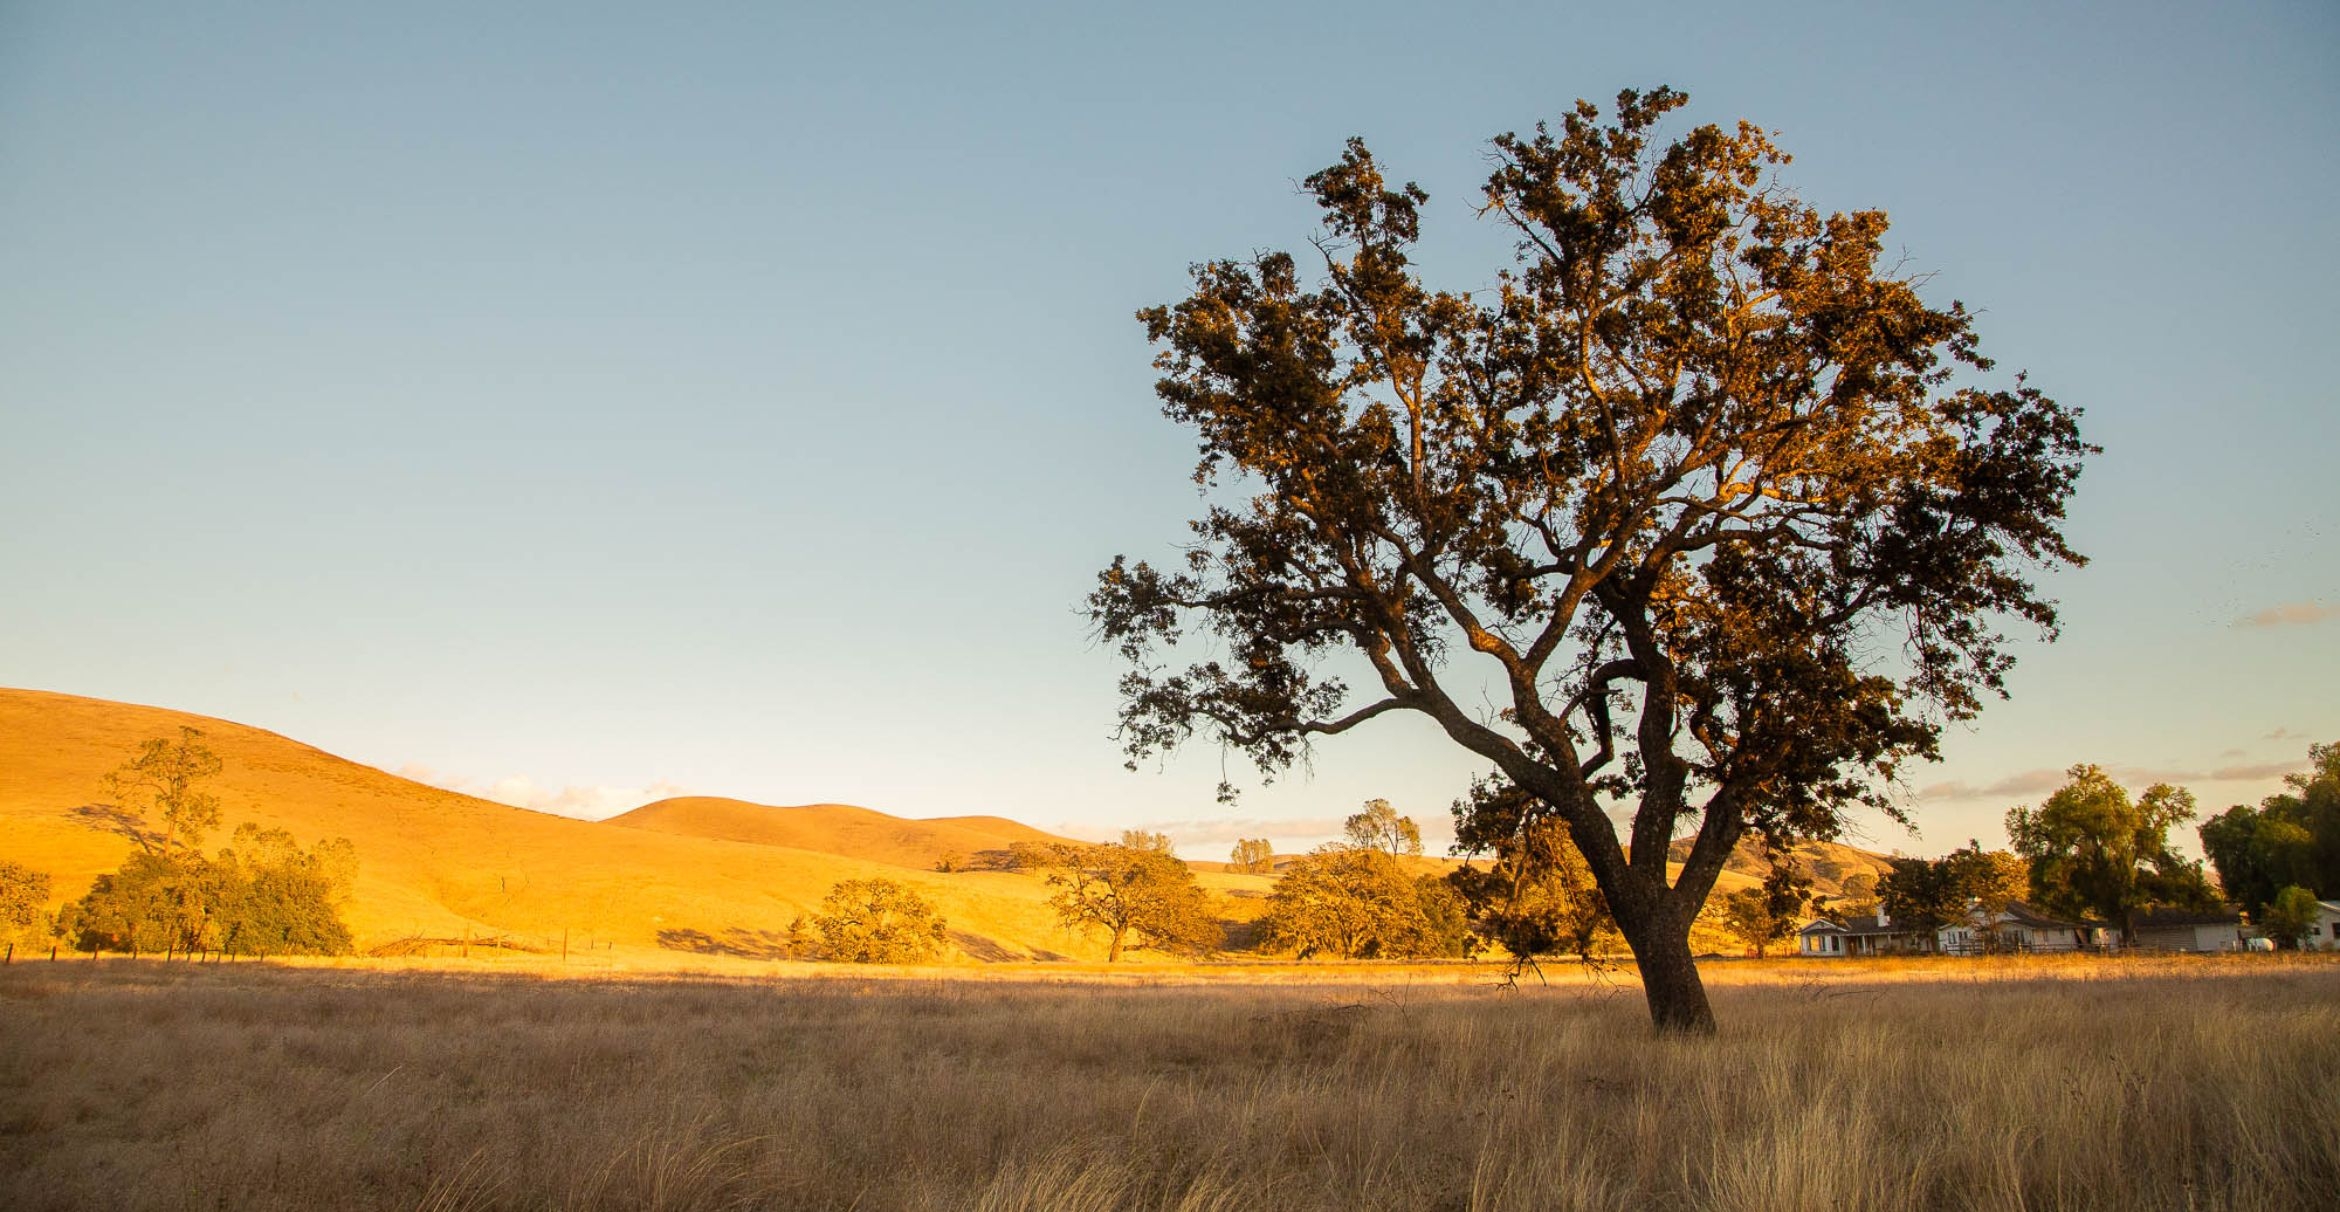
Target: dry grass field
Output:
[(2211, 1084)]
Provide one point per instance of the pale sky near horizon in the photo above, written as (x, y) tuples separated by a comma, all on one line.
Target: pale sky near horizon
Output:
[(579, 404)]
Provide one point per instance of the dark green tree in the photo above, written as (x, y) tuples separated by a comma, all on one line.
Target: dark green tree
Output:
[(2290, 838), (2288, 917), (2094, 852), (275, 898), (265, 895), (1133, 894), (1704, 497)]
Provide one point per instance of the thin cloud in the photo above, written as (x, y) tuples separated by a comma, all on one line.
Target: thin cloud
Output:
[(591, 803), (2042, 781), (2029, 782), (2290, 614), (1193, 837)]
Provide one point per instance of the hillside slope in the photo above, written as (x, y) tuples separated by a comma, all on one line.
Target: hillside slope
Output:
[(436, 864), (1829, 864), (840, 829)]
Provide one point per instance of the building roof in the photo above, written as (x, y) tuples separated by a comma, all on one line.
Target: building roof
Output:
[(2021, 914), (1864, 926), (2155, 919)]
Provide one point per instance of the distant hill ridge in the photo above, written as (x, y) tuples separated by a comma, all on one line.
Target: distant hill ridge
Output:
[(1828, 863), (694, 874), (837, 829)]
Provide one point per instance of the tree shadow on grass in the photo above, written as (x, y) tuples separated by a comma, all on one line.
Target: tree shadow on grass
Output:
[(982, 948), (110, 818), (734, 941)]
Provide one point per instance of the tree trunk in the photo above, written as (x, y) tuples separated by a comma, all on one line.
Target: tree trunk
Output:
[(1669, 980), (1113, 949)]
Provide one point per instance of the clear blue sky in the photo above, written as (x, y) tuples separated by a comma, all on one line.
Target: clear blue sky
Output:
[(741, 400)]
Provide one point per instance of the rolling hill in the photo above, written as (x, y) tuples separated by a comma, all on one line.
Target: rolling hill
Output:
[(704, 875), (839, 829)]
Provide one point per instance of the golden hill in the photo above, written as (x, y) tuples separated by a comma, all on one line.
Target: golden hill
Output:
[(840, 829), (435, 864)]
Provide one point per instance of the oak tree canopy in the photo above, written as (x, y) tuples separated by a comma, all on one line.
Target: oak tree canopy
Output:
[(1699, 513)]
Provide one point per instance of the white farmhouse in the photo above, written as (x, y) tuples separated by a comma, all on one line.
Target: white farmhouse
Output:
[(2018, 927), (2324, 935)]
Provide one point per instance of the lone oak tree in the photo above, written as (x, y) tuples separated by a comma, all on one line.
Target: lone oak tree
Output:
[(1697, 495)]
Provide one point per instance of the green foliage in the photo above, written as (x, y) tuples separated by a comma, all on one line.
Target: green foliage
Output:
[(163, 780), (1704, 457), (262, 896), (2096, 853), (1135, 894), (24, 904), (1538, 897), (1359, 902), (1772, 911), (1255, 855), (877, 921), (2290, 838), (2288, 917), (1966, 885), (1380, 827)]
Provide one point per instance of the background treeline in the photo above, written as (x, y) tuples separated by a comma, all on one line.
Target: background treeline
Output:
[(2278, 859)]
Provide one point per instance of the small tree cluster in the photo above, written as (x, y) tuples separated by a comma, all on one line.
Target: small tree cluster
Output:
[(1254, 855), (1971, 884), (1359, 902), (263, 895), (1771, 911), (877, 921), (1134, 894), (1538, 897), (1148, 840), (24, 904)]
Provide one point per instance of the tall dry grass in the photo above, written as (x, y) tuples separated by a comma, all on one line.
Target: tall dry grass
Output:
[(2204, 1085)]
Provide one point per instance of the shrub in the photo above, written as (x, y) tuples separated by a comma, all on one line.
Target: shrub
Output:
[(877, 921)]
